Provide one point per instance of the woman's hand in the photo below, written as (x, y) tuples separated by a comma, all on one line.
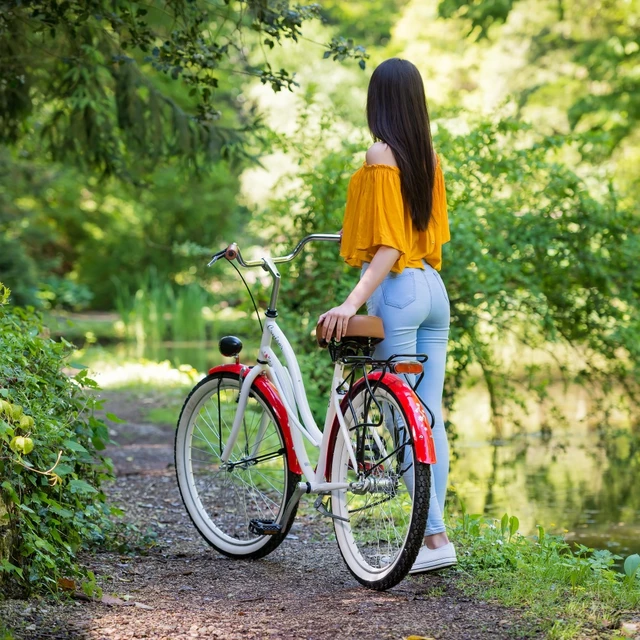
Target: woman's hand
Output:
[(336, 320)]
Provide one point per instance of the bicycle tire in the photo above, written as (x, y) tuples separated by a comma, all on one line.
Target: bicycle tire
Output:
[(221, 500), (380, 533)]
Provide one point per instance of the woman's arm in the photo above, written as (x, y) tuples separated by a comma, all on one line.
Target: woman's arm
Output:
[(336, 319)]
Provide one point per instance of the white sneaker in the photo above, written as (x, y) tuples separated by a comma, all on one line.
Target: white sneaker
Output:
[(432, 559)]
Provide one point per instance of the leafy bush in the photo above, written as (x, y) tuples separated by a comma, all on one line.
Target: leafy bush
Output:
[(61, 293), (63, 242), (569, 589), (50, 462)]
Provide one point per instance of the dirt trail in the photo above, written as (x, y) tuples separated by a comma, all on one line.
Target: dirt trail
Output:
[(181, 588)]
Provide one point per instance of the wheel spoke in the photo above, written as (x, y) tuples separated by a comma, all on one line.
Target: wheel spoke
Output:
[(381, 521), (223, 498)]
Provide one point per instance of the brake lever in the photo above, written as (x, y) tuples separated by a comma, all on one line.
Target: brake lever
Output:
[(216, 257)]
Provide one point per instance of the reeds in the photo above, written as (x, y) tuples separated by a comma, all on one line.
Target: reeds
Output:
[(154, 311)]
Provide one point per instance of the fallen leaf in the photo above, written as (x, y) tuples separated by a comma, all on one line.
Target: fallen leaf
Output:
[(66, 584)]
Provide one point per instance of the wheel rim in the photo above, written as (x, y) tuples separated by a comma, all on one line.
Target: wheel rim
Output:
[(378, 524), (223, 499)]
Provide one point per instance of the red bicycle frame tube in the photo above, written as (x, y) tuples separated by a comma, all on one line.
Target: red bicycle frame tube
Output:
[(418, 422), (266, 388)]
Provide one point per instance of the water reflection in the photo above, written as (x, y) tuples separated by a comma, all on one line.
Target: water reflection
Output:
[(578, 481)]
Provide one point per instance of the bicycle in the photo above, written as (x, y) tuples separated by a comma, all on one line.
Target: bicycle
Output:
[(240, 449)]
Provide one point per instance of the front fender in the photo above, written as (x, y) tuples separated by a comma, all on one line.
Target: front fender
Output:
[(270, 393), (418, 421)]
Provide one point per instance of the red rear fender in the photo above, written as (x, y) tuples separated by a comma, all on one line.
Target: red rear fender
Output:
[(418, 420)]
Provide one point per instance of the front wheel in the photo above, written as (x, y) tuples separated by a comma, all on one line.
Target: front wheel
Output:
[(380, 523), (255, 484)]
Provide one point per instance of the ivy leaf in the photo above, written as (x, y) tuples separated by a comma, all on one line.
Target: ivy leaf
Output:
[(74, 446), (5, 428), (64, 469), (61, 511), (11, 492), (81, 487), (7, 567)]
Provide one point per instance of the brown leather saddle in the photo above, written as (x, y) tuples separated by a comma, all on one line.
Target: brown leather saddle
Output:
[(367, 330)]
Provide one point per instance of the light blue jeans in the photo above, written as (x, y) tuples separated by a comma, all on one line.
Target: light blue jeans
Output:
[(414, 307)]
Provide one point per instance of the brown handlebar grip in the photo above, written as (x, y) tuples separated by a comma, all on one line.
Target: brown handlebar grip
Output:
[(232, 251)]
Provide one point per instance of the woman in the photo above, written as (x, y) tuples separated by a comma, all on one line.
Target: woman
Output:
[(395, 224)]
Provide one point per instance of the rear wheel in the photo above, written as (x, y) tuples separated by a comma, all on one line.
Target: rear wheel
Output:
[(255, 484), (381, 522)]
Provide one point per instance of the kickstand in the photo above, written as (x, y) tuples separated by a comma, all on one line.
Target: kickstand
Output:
[(322, 508)]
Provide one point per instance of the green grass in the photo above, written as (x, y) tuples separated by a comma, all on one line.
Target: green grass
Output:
[(165, 414), (569, 593), (5, 634)]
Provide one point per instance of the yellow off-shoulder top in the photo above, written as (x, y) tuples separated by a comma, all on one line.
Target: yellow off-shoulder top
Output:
[(377, 215)]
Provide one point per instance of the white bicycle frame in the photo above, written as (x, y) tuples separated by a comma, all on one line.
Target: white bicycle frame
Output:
[(288, 382)]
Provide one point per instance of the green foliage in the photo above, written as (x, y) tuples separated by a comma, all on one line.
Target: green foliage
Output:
[(50, 461), (318, 279), (63, 235), (589, 51), (94, 76), (572, 591), (536, 260), (17, 268), (481, 14), (369, 21), (5, 634)]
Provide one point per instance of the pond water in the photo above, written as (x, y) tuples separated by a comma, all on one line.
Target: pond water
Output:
[(579, 481)]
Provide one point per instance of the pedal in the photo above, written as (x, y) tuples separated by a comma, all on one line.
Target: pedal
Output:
[(264, 527)]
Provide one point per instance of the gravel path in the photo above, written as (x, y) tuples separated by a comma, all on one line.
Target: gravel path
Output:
[(181, 588)]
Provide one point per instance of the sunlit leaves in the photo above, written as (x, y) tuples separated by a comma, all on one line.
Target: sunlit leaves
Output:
[(537, 261), (481, 14), (96, 72), (589, 51)]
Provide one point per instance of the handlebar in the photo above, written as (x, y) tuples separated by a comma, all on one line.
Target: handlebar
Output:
[(232, 252)]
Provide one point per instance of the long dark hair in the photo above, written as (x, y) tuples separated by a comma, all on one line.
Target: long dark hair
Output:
[(397, 115)]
